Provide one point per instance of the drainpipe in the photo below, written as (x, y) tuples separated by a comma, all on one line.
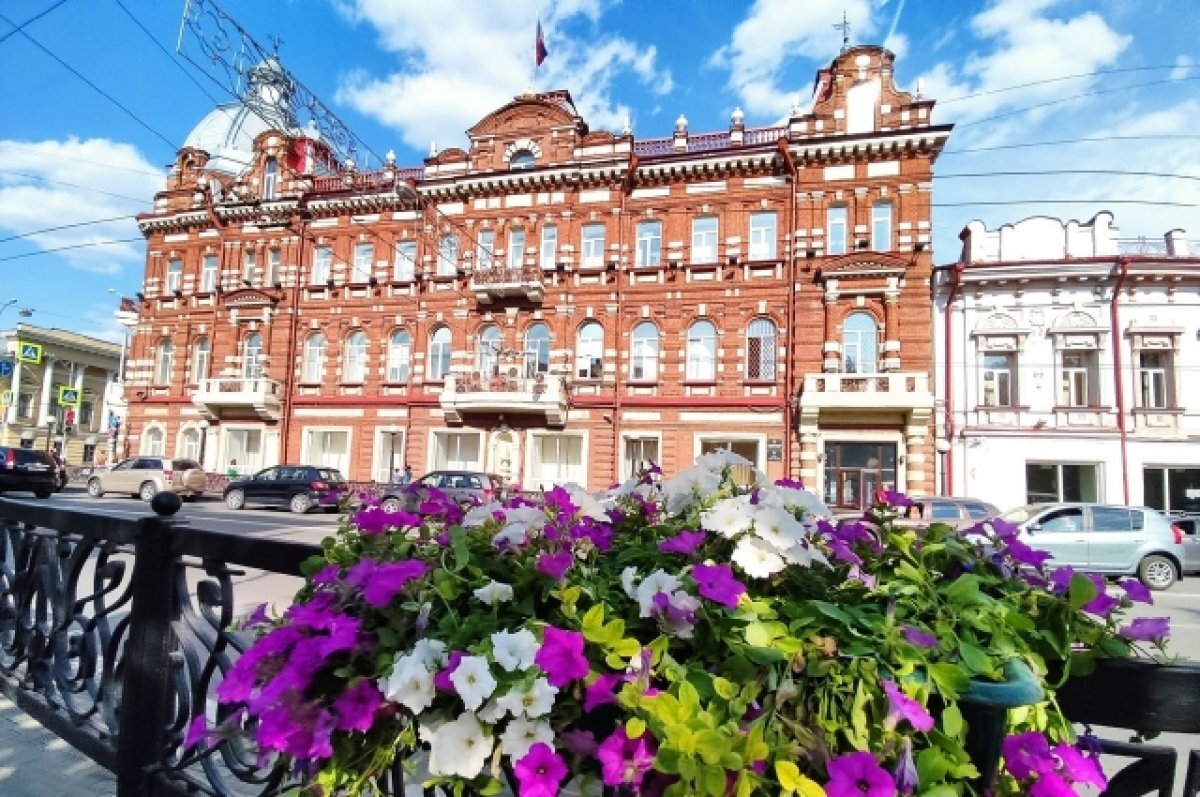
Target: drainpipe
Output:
[(948, 373), (789, 382), (626, 189), (1118, 376), (289, 368)]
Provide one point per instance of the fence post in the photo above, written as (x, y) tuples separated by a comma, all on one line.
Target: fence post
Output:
[(146, 689)]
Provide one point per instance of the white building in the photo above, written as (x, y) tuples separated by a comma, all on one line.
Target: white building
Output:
[(1068, 366)]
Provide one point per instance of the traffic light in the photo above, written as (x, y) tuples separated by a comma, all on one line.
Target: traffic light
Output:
[(69, 418)]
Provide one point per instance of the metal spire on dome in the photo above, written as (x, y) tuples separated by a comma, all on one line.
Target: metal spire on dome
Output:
[(231, 58), (844, 27)]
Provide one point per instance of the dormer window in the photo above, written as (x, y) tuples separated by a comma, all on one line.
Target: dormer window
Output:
[(522, 159), (270, 179)]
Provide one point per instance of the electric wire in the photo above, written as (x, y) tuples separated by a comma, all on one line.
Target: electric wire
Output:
[(89, 189), (28, 22), (72, 246), (1085, 140), (1060, 100), (63, 227), (1059, 79)]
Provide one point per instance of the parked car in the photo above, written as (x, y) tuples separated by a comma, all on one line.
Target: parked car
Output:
[(1189, 524), (298, 487), (463, 486), (146, 477), (961, 513), (27, 470), (1108, 539)]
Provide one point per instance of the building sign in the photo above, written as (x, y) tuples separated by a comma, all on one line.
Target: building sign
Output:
[(29, 352), (775, 450), (68, 396), (6, 368), (6, 398)]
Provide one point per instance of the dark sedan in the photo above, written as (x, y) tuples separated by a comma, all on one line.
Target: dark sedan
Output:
[(298, 487)]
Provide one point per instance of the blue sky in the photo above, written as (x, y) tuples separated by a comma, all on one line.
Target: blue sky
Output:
[(404, 73)]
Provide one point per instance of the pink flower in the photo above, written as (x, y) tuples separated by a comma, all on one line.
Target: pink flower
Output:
[(355, 707), (903, 707), (716, 582), (685, 542), (555, 565), (922, 639), (1027, 754), (540, 772), (625, 761), (389, 578), (1147, 629), (601, 691), (858, 775), (1077, 766), (1136, 591), (561, 656)]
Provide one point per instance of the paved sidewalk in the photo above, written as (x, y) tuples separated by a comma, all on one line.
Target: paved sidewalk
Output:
[(36, 763)]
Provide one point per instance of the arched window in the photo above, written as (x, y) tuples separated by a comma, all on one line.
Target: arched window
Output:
[(399, 355), (860, 344), (314, 358), (439, 354), (201, 357), (252, 356), (270, 179), (522, 160), (166, 361), (702, 352), (644, 357), (760, 349), (152, 441), (589, 351), (189, 443), (537, 349), (487, 358), (354, 365)]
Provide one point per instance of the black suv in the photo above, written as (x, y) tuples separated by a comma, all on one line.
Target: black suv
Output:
[(27, 470), (298, 487)]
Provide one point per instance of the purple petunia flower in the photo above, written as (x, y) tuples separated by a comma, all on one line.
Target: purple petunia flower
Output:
[(685, 542), (1101, 605), (1022, 554), (1051, 784), (903, 707), (1027, 754), (441, 680), (1077, 766), (895, 498), (257, 617), (1136, 591), (602, 691), (561, 656), (555, 565), (1060, 579), (716, 582), (858, 775), (907, 778), (197, 733), (326, 575), (580, 742), (625, 761), (915, 636), (540, 772), (1146, 629), (355, 707), (389, 578), (795, 484), (343, 635)]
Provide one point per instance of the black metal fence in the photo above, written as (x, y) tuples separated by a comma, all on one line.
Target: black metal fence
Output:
[(115, 632)]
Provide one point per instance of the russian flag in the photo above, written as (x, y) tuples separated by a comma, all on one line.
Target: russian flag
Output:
[(539, 46)]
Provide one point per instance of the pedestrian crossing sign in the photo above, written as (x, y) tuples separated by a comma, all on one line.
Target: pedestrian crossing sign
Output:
[(68, 396), (6, 398), (29, 352)]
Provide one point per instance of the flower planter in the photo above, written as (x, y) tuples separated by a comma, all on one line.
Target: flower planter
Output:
[(985, 709)]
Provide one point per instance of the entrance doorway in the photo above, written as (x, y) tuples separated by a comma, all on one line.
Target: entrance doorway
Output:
[(856, 472)]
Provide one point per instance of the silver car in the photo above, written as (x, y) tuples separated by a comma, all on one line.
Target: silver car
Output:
[(1108, 539), (145, 477)]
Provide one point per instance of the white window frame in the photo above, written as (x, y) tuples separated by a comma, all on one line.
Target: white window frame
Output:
[(485, 252), (764, 235), (533, 453), (549, 247), (644, 353), (153, 442), (313, 369), (389, 452), (249, 265), (164, 362), (252, 356), (270, 179), (345, 459), (701, 352), (591, 249), (1078, 382), (174, 275), (201, 358), (364, 258), (488, 344), (649, 245), (354, 358), (447, 259), (322, 264), (187, 445), (535, 347), (836, 223), (458, 435), (1154, 381), (704, 239), (209, 265), (589, 351), (858, 342), (441, 348), (1003, 380), (639, 437), (274, 263), (406, 261), (399, 356), (881, 226), (516, 248), (762, 368)]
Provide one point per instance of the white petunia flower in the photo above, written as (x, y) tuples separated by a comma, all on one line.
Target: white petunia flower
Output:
[(535, 702), (410, 684), (514, 535), (459, 748), (492, 712), (728, 517), (721, 459), (494, 593), (756, 558), (801, 554), (627, 581), (587, 503), (430, 652), (473, 681), (656, 582), (792, 498), (515, 651), (681, 488), (522, 734), (478, 515), (778, 527)]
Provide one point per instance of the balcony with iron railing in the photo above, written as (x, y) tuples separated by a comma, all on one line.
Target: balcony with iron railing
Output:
[(221, 395), (502, 282), (895, 391), (509, 391)]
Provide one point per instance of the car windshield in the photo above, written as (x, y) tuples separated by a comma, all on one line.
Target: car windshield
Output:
[(1022, 513), (331, 475)]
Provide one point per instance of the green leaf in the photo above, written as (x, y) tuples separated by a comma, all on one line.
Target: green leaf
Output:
[(940, 790), (965, 591), (1081, 591), (975, 658), (761, 635), (593, 621), (493, 786), (764, 655), (689, 699), (458, 543), (724, 687), (711, 746), (712, 780), (793, 782), (634, 728), (952, 720), (932, 765), (950, 678)]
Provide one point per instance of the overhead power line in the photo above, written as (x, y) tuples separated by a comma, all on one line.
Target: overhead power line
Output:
[(63, 227), (28, 22), (72, 185), (72, 246), (1059, 79), (1046, 172), (1056, 142), (1060, 100)]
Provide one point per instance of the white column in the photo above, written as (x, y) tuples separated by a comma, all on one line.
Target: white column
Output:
[(47, 387), (10, 414), (102, 422)]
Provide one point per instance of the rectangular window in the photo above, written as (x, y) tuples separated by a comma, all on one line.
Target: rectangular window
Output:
[(640, 453), (881, 226), (763, 236), (364, 256), (485, 254), (24, 405), (1152, 380), (406, 261), (516, 249), (456, 451), (208, 274), (649, 244), (328, 449), (89, 452), (592, 252), (998, 371), (322, 264), (249, 263), (549, 254), (557, 459), (87, 411), (389, 455), (741, 474), (246, 447), (704, 239), (174, 275), (447, 256), (274, 262), (835, 232), (1171, 489), (1077, 377), (1054, 482)]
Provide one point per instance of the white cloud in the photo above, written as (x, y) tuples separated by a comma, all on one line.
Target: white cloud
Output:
[(58, 183), (1182, 67), (458, 61)]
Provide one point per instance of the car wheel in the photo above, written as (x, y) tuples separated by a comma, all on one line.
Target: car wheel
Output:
[(391, 504), (94, 488), (43, 493), (1157, 572), (235, 499), (300, 503), (147, 491)]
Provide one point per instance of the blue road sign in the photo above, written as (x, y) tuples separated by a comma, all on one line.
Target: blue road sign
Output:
[(6, 368)]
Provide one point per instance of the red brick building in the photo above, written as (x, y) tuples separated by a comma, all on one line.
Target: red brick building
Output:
[(553, 303)]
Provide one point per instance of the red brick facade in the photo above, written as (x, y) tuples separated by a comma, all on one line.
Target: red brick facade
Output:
[(766, 263)]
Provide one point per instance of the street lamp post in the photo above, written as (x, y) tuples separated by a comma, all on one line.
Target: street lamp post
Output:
[(203, 442)]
